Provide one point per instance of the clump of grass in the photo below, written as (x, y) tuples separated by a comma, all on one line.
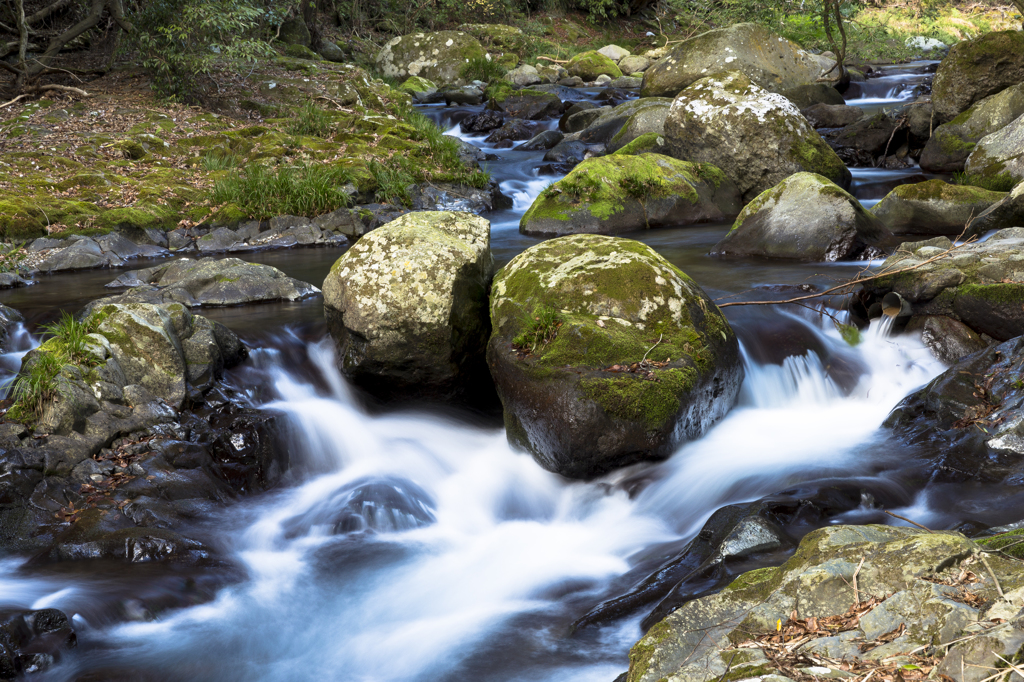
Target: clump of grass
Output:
[(220, 162), (539, 329), (579, 185), (311, 120), (1004, 182), (482, 69), (641, 187), (305, 190), (12, 257), (392, 180), (71, 337)]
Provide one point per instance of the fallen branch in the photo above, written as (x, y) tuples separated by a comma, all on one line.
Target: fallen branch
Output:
[(7, 104), (999, 588), (904, 518), (556, 61), (58, 88)]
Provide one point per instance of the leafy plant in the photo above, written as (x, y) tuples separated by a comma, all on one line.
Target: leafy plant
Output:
[(306, 190), (1004, 182), (12, 257), (539, 328), (392, 179), (482, 69), (311, 120)]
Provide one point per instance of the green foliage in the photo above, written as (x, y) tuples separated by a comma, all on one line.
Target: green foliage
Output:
[(311, 120), (850, 334), (392, 180), (305, 190), (539, 329), (12, 257), (71, 336), (482, 69), (219, 162), (577, 185), (181, 40), (443, 151), (641, 186), (1004, 182)]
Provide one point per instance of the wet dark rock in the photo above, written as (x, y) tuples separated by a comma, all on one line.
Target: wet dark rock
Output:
[(32, 641), (872, 134), (949, 340), (514, 131), (467, 95), (811, 94), (544, 140), (832, 115), (567, 152), (9, 317), (379, 505), (530, 104), (483, 122)]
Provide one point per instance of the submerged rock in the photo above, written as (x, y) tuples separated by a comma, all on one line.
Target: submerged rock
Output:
[(439, 57), (32, 641), (804, 217), (757, 137), (407, 306), (621, 193), (975, 69), (766, 59), (605, 354), (950, 145), (934, 207)]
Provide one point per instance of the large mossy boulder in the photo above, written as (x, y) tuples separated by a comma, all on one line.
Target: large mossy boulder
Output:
[(951, 143), (906, 581), (439, 56), (804, 217), (980, 284), (525, 104), (590, 65), (617, 126), (975, 69), (757, 137), (622, 193), (407, 306), (999, 156), (496, 36), (770, 61), (934, 207), (605, 354)]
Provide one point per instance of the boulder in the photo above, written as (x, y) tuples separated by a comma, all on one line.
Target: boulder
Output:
[(605, 354), (934, 207), (634, 64), (573, 109), (1007, 212), (483, 122), (32, 641), (295, 32), (980, 284), (906, 581), (567, 153), (644, 120), (332, 52), (465, 95), (622, 193), (871, 134), (524, 76), (604, 127), (949, 340), (649, 143), (501, 37), (439, 56), (832, 115), (209, 282), (80, 254), (419, 88), (804, 96), (953, 142), (628, 82), (528, 104), (999, 155), (581, 119), (614, 52), (925, 44), (543, 140), (512, 131), (407, 306), (757, 137), (804, 217), (767, 60), (975, 69), (590, 65)]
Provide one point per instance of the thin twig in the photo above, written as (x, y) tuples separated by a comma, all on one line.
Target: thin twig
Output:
[(7, 104), (999, 588), (856, 592), (728, 667), (1016, 669), (556, 61), (652, 348), (904, 518)]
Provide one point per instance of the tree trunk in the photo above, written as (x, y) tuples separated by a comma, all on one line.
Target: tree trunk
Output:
[(309, 17)]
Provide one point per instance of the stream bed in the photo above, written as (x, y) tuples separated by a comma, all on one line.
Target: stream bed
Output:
[(417, 545)]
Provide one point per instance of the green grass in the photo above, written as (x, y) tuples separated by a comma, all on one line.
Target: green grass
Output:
[(539, 328), (311, 120), (220, 162), (12, 257), (392, 181), (1004, 182), (482, 69), (72, 337), (304, 190)]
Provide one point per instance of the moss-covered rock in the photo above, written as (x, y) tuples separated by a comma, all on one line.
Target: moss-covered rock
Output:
[(768, 60), (648, 143), (757, 137), (804, 217), (622, 193), (933, 207), (696, 643), (951, 143), (975, 69), (414, 84), (497, 37), (605, 354), (999, 154), (526, 104), (612, 127), (590, 65), (407, 306), (439, 56)]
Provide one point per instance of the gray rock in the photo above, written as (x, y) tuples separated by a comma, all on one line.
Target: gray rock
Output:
[(949, 340), (804, 96), (544, 140), (220, 239), (524, 76), (79, 255), (953, 142), (975, 69), (294, 32), (331, 52), (467, 95), (581, 118), (630, 82), (438, 56), (634, 64), (604, 128), (832, 115), (934, 207), (1000, 153)]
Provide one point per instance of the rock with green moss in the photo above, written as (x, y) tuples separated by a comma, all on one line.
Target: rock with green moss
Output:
[(902, 568), (608, 125), (605, 354), (757, 137), (407, 307), (527, 104), (804, 217), (209, 282), (590, 65), (999, 154), (768, 60), (646, 120), (439, 56), (524, 76), (295, 32), (302, 52), (934, 207), (414, 85), (1007, 212), (622, 193), (499, 37), (648, 143), (975, 69), (951, 143)]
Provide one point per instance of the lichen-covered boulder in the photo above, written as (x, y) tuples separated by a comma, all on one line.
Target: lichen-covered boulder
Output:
[(407, 306), (951, 143), (908, 573), (975, 69), (605, 354), (757, 137), (496, 36), (634, 64), (934, 207), (523, 76), (980, 284), (804, 217), (622, 193), (590, 65), (1000, 154), (439, 56), (768, 60)]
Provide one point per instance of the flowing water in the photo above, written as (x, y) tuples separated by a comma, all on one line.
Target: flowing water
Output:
[(418, 545)]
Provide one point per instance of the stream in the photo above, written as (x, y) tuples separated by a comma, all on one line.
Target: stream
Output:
[(417, 545)]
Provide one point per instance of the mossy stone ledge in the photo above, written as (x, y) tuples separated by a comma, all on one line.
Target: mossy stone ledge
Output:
[(573, 321)]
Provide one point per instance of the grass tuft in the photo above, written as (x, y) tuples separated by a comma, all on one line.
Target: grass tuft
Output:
[(311, 120), (482, 69), (539, 329), (305, 190)]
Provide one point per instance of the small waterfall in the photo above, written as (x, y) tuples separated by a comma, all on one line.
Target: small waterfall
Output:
[(19, 343)]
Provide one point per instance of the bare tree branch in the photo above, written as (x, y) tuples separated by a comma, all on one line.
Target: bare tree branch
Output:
[(46, 12)]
